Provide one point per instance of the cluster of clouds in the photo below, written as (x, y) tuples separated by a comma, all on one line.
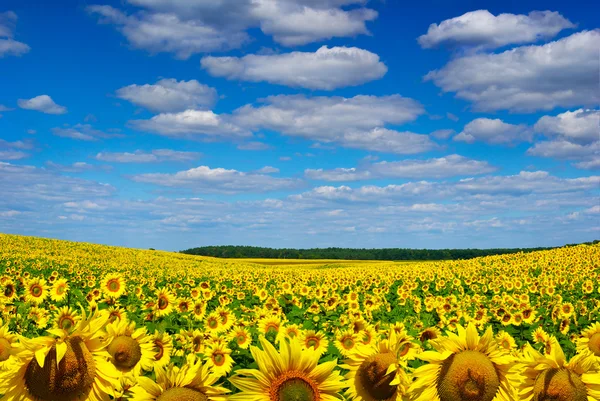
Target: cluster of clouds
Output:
[(467, 209), (8, 45), (185, 28)]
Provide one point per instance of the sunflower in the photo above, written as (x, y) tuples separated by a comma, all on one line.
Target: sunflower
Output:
[(130, 349), (590, 340), (465, 367), (550, 377), (290, 374), (59, 290), (9, 290), (165, 302), (9, 347), (36, 290), (218, 358), (241, 336), (379, 371), (113, 285), (66, 319), (163, 347), (315, 340), (68, 367), (346, 341), (192, 382)]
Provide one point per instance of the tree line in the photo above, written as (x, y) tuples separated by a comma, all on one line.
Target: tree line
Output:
[(235, 251)]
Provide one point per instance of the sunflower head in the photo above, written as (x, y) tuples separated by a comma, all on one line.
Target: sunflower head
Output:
[(468, 376), (374, 378), (62, 378), (559, 385)]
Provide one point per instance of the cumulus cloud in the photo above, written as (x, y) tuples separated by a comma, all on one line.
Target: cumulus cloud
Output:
[(493, 131), (9, 46), (357, 122), (191, 124), (448, 166), (563, 73), (154, 156), (481, 29), (327, 68), (185, 28), (83, 132), (170, 95), (159, 32), (219, 180), (42, 103), (580, 126), (573, 135)]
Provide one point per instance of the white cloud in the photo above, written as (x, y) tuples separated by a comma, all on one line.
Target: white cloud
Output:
[(448, 166), (327, 68), (254, 145), (443, 133), (494, 132), (9, 46), (77, 167), (4, 108), (186, 28), (158, 32), (219, 180), (580, 126), (574, 135), (355, 122), (170, 95), (294, 23), (563, 73), (191, 124), (12, 155), (140, 156), (83, 132), (267, 170), (42, 103), (481, 29)]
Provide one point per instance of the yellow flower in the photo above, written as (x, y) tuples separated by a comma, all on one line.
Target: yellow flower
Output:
[(192, 382), (9, 347), (315, 340), (162, 347), (59, 290), (36, 290), (290, 374), (165, 302), (465, 367), (590, 340), (71, 367), (218, 357), (113, 285), (379, 371), (550, 377), (130, 349), (66, 319), (241, 336)]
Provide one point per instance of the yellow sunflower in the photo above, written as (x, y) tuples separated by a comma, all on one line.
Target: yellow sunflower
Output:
[(130, 349), (218, 358), (165, 302), (9, 347), (315, 340), (113, 285), (379, 371), (59, 290), (590, 340), (8, 290), (346, 342), (68, 367), (550, 377), (163, 347), (36, 290), (465, 367), (290, 374), (192, 382), (66, 319), (241, 336)]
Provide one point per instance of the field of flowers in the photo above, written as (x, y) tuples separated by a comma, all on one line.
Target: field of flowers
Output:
[(90, 322)]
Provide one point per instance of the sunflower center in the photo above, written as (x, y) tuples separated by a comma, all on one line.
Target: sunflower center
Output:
[(594, 344), (372, 375), (126, 352), (113, 285), (160, 350), (4, 349), (66, 322), (36, 291), (67, 381), (559, 385), (181, 394), (468, 376), (163, 303), (348, 343)]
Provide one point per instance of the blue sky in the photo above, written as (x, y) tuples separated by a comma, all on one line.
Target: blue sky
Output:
[(300, 123)]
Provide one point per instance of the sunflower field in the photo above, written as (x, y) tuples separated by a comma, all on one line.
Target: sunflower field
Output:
[(88, 322)]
